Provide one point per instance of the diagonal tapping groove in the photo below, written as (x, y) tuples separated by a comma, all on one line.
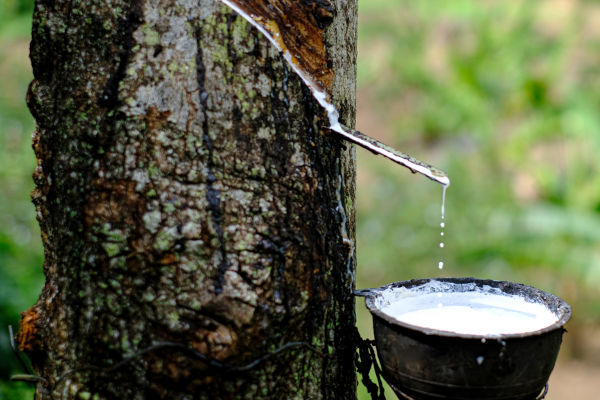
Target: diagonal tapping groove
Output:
[(296, 30)]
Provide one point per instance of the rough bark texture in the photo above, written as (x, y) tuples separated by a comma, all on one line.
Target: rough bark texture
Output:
[(187, 192)]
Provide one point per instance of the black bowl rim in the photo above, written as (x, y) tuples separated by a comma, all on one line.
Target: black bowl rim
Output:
[(563, 310)]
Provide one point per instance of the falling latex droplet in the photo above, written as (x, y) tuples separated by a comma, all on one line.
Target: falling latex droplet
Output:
[(444, 187), (480, 360), (442, 223)]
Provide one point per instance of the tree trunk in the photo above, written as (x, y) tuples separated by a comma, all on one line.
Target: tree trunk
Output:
[(195, 215)]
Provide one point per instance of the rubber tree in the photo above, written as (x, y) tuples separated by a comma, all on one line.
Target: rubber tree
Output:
[(197, 219)]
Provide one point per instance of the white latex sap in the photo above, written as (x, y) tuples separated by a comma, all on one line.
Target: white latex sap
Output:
[(476, 312)]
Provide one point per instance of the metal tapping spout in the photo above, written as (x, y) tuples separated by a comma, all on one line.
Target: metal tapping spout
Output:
[(409, 162)]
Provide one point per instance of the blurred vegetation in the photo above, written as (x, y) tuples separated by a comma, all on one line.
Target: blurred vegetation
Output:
[(502, 95)]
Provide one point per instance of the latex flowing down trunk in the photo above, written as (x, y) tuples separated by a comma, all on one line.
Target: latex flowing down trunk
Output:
[(195, 214)]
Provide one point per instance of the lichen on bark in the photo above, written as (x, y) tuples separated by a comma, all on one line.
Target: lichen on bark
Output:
[(187, 193)]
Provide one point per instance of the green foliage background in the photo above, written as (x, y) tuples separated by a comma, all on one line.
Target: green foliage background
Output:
[(504, 96)]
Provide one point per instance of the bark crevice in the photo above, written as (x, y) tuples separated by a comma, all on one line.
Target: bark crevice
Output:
[(128, 25)]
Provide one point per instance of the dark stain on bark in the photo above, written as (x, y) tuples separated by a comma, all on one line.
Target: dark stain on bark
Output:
[(324, 156), (284, 83), (322, 10), (280, 151), (230, 46), (212, 194), (320, 156), (128, 25)]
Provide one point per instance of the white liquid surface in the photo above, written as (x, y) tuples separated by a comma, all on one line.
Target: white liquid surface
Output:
[(471, 312)]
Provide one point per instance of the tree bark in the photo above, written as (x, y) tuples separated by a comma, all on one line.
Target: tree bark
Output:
[(195, 215)]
